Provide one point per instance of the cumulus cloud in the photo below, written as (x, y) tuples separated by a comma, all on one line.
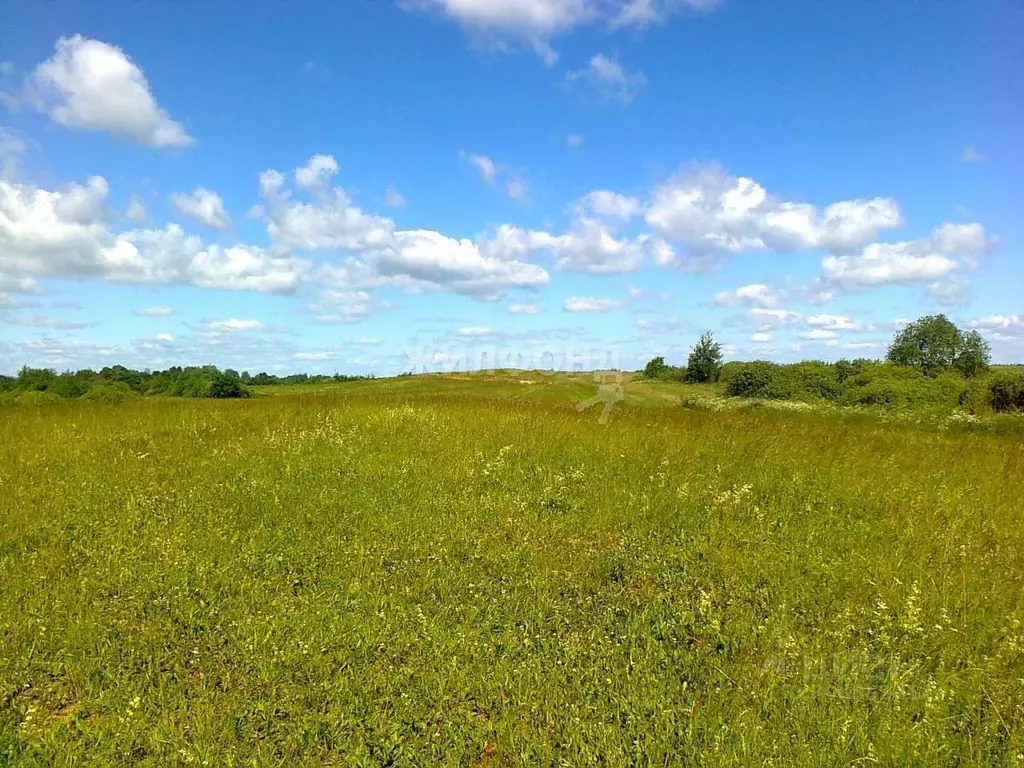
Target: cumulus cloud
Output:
[(998, 323), (589, 246), (607, 204), (204, 206), (585, 304), (761, 338), (317, 171), (767, 319), (707, 210), (833, 322), (755, 295), (64, 233), (533, 24), (608, 80), (92, 85), (136, 210), (926, 260)]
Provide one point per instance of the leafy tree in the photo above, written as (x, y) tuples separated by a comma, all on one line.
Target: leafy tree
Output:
[(705, 361), (226, 386), (934, 344), (655, 368), (974, 355), (929, 343)]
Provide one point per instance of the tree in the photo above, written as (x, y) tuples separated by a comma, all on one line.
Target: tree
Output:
[(974, 355), (934, 344), (655, 368), (705, 360)]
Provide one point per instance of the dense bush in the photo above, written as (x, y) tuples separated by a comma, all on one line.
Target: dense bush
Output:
[(1006, 392), (760, 379)]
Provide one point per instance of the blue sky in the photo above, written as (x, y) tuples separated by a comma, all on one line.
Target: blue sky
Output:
[(372, 186)]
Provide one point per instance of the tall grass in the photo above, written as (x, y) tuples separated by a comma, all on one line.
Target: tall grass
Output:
[(439, 575)]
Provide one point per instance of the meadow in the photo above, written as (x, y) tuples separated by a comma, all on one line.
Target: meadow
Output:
[(466, 570)]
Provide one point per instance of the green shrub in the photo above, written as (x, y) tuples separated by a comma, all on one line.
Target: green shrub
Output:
[(655, 368), (760, 379), (225, 386), (1006, 392), (110, 392)]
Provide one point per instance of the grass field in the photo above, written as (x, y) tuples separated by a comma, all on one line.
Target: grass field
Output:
[(468, 571)]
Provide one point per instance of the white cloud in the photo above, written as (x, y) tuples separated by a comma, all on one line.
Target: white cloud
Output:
[(585, 304), (818, 334), (313, 355), (413, 260), (643, 13), (317, 171), (853, 345), (533, 24), (331, 223), (488, 168), (604, 203), (518, 190), (588, 247), (707, 210), (524, 309), (136, 210), (970, 155), (368, 341), (926, 260), (93, 85), (951, 292), (12, 149), (833, 322), (766, 319), (337, 307), (998, 323), (166, 337), (63, 233), (574, 140), (43, 321), (393, 198), (154, 312), (608, 79), (231, 324), (476, 330), (204, 206), (755, 295), (761, 338)]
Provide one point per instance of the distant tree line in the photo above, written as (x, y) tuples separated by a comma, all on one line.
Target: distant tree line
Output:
[(930, 361), (116, 382)]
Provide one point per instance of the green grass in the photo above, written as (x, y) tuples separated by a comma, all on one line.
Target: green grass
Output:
[(467, 571)]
